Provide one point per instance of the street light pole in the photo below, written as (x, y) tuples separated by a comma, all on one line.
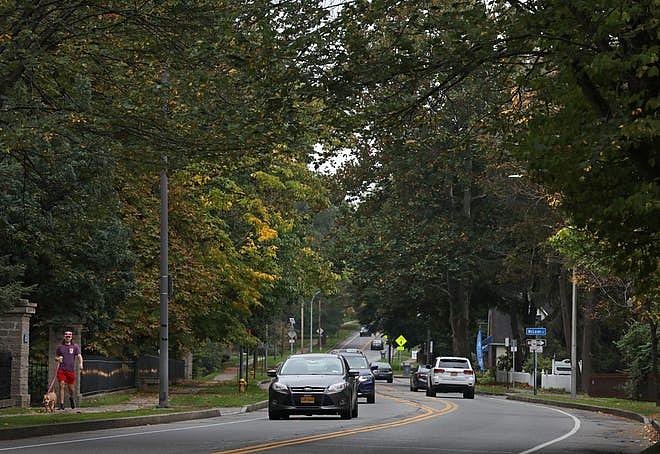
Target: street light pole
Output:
[(164, 278), (302, 325), (574, 339), (311, 321)]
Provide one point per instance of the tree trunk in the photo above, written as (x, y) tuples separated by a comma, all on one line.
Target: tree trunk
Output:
[(458, 313), (565, 304), (587, 336), (654, 361), (513, 317)]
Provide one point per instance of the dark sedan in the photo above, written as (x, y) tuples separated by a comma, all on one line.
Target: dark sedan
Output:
[(382, 371), (314, 383), (418, 378), (366, 380)]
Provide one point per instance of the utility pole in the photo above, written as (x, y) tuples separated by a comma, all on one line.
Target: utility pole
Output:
[(164, 277), (311, 324), (302, 325), (574, 339), (311, 321), (320, 332)]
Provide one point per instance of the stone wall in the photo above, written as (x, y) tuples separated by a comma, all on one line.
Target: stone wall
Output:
[(15, 338)]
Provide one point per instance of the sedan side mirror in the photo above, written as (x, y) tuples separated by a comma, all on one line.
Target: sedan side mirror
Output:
[(353, 373), (272, 372)]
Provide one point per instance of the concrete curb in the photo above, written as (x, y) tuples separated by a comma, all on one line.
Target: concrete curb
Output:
[(100, 424), (254, 407)]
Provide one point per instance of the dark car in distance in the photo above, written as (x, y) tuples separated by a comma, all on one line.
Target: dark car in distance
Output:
[(377, 344), (364, 331), (366, 381), (313, 384), (382, 371), (418, 378)]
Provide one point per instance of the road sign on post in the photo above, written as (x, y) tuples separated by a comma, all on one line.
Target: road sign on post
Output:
[(401, 341), (536, 331), (536, 342)]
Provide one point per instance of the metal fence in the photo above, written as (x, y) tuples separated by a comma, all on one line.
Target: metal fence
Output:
[(102, 374), (147, 370), (5, 375), (37, 382)]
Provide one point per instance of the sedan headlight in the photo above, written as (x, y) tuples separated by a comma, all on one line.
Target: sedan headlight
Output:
[(279, 387), (337, 387), (363, 378)]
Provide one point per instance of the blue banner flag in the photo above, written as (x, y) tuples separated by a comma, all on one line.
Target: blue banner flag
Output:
[(480, 355)]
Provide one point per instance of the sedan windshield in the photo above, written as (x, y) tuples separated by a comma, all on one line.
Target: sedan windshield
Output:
[(312, 366)]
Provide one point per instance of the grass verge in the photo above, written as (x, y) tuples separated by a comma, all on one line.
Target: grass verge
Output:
[(648, 409), (181, 400)]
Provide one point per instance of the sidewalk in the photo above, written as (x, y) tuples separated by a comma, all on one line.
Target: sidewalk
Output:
[(195, 401)]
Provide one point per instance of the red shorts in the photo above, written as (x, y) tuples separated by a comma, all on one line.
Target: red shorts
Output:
[(68, 376)]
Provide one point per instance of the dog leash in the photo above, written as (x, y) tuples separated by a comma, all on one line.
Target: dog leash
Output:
[(52, 382)]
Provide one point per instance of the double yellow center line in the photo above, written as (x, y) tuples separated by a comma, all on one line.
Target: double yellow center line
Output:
[(428, 413)]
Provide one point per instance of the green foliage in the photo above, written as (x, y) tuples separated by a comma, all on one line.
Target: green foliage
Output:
[(635, 345), (504, 362), (11, 287), (209, 358), (486, 377), (543, 363)]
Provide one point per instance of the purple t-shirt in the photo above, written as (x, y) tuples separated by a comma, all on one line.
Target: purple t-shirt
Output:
[(68, 353)]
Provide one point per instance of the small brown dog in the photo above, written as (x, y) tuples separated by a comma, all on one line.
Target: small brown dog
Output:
[(50, 399)]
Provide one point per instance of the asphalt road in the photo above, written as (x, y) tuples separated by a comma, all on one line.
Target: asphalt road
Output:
[(399, 421)]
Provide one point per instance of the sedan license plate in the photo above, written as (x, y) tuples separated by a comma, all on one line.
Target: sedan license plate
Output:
[(306, 399), (453, 374)]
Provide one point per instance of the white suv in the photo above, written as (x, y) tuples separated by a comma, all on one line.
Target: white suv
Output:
[(451, 375)]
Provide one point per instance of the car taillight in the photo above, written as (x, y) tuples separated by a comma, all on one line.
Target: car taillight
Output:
[(468, 372), (438, 371)]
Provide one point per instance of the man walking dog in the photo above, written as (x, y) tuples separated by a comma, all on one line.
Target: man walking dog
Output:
[(66, 355)]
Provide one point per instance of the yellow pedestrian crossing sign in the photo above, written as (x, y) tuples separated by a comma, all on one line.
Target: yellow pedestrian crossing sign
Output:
[(401, 340)]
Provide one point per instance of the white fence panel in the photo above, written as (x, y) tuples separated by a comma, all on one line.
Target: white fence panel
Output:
[(556, 381), (503, 376)]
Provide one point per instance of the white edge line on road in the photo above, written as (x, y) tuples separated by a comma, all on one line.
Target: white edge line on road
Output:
[(576, 427), (133, 434)]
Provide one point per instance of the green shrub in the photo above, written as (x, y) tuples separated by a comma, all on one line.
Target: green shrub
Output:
[(485, 377), (635, 345)]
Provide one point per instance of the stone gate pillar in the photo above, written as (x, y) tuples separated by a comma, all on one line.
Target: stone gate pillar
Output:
[(15, 338)]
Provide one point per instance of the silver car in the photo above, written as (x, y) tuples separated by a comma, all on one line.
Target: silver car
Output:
[(451, 375)]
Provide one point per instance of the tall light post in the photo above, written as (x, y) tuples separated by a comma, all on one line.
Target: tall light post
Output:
[(574, 339), (319, 329), (302, 325), (311, 322), (164, 276)]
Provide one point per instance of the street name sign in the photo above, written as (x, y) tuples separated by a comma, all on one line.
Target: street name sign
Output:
[(536, 342), (535, 331)]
